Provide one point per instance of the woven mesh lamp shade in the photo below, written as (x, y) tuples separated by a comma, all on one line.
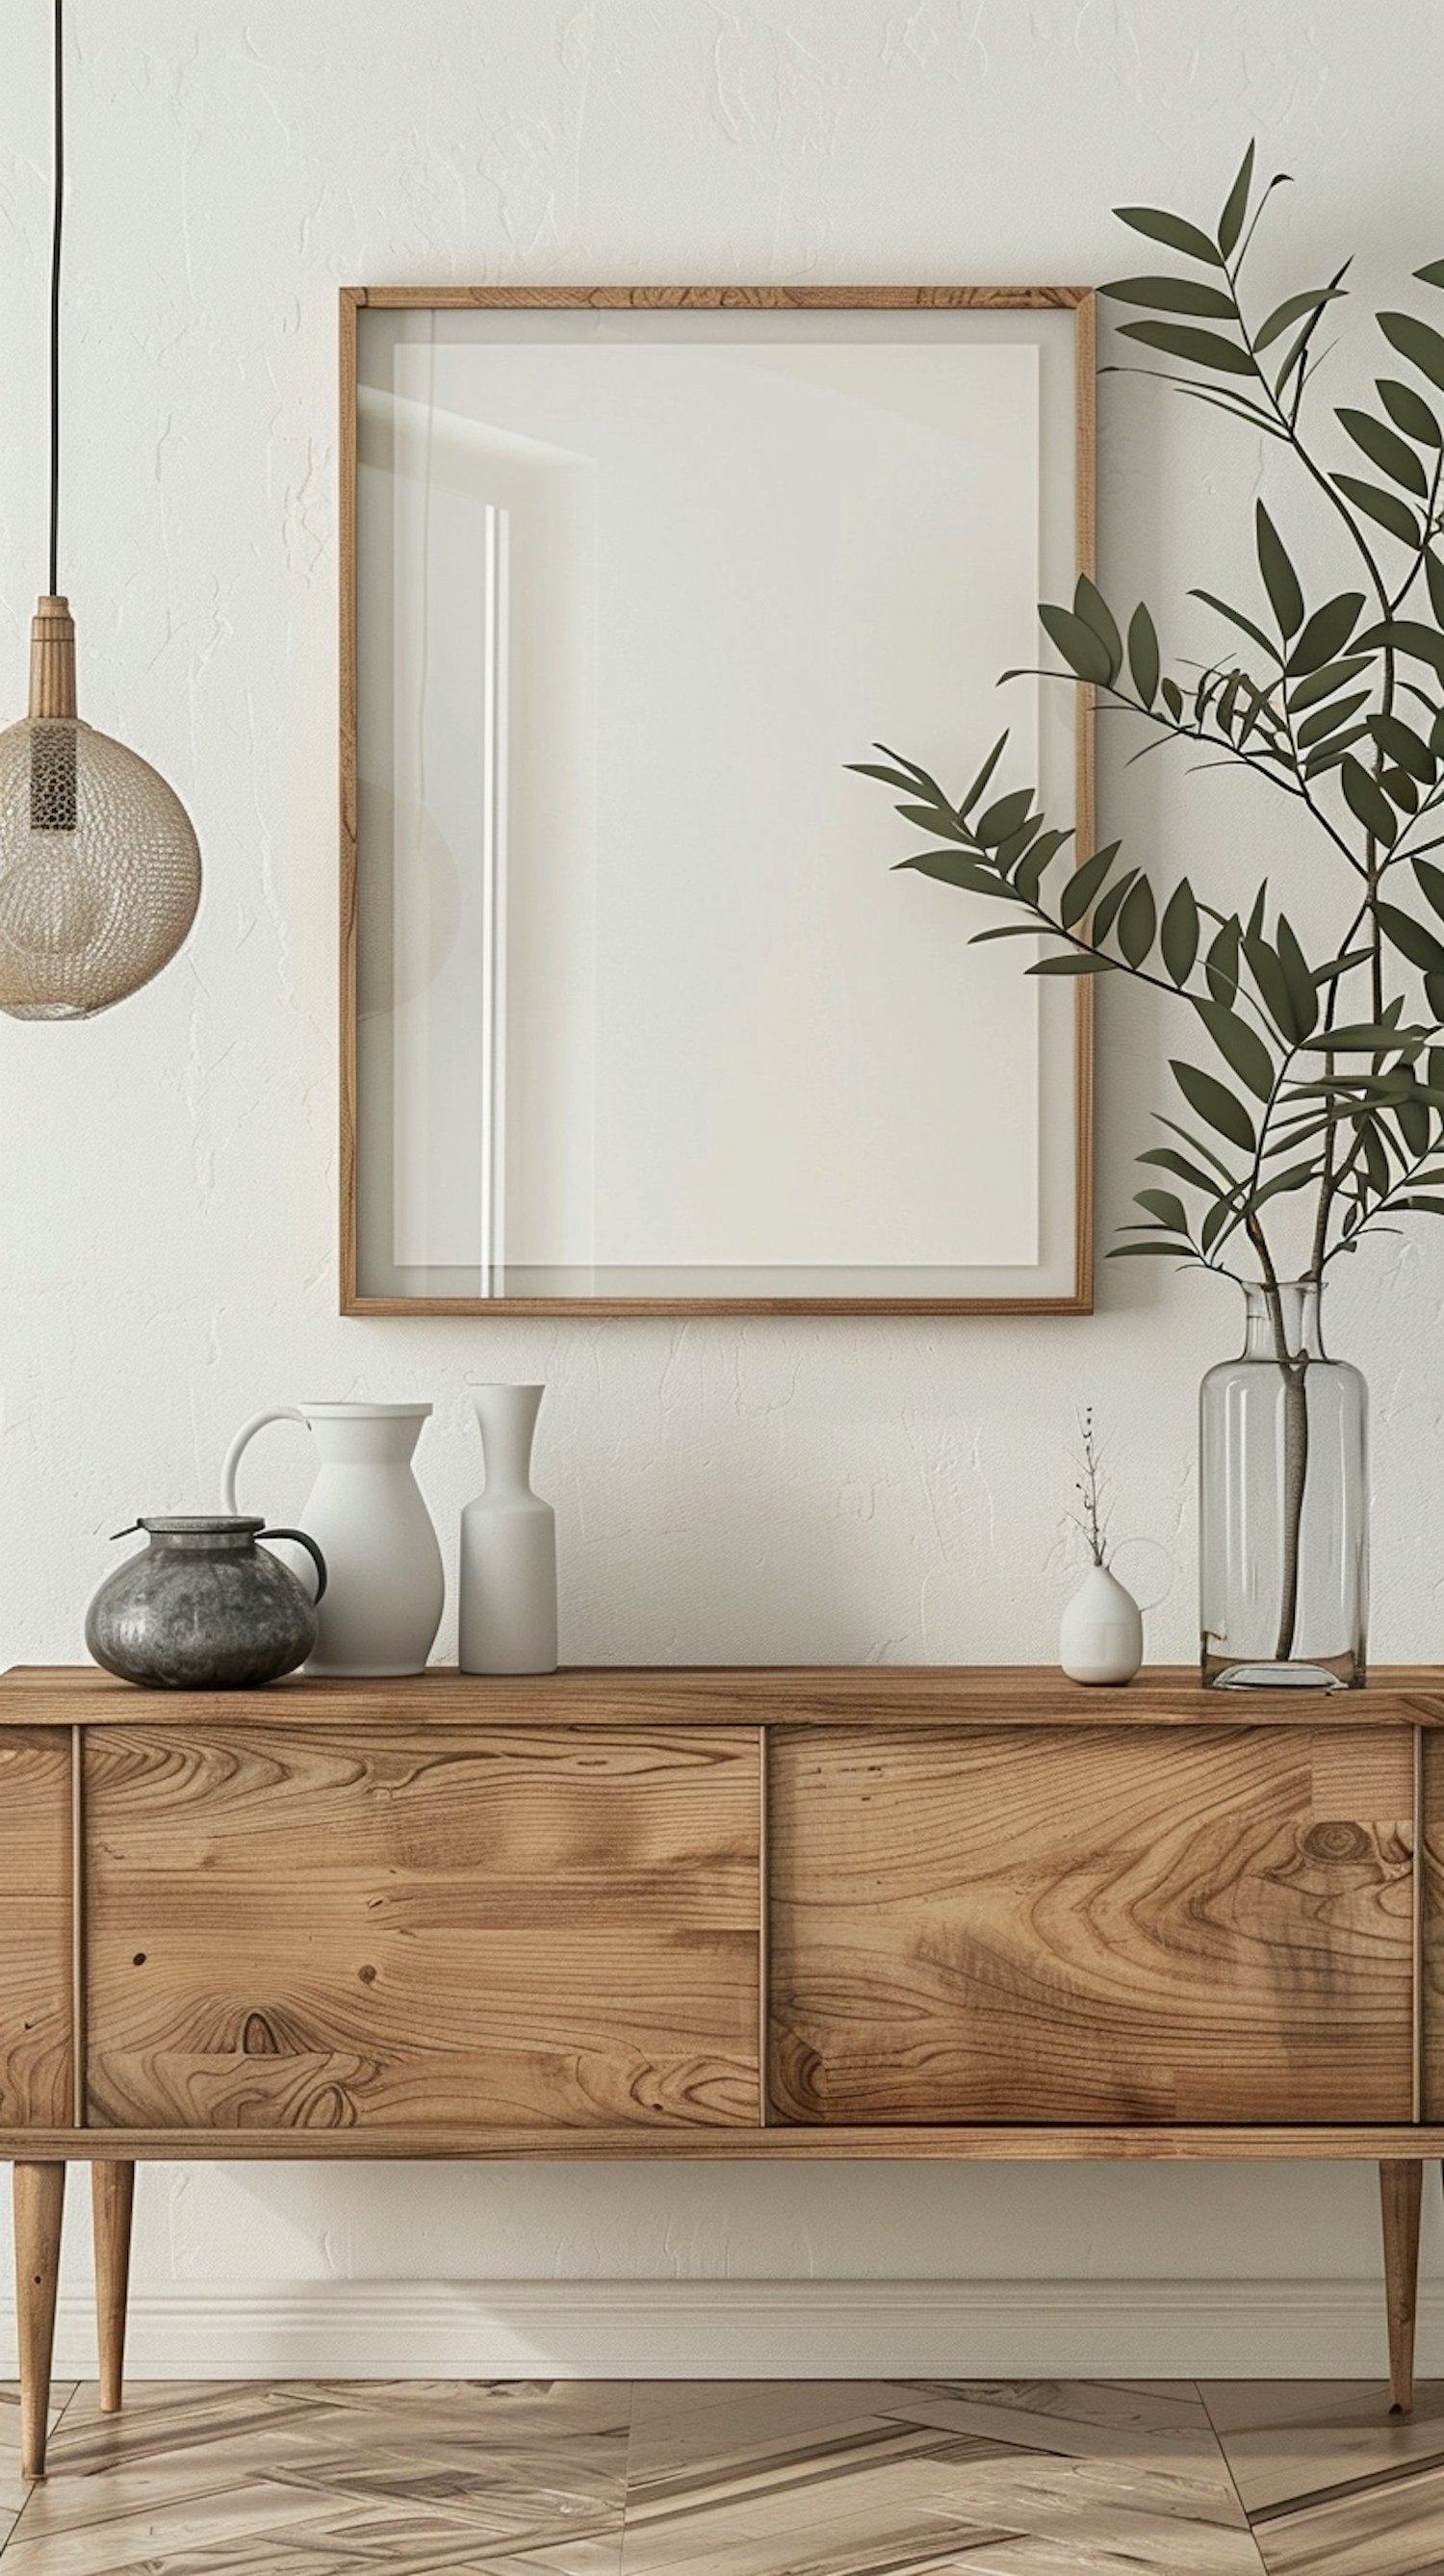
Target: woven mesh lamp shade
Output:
[(100, 873)]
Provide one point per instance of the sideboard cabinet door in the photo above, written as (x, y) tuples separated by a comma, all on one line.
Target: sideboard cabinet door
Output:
[(1093, 1925), (549, 1928)]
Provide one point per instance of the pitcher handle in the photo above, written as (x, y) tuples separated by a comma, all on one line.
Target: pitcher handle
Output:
[(312, 1550), (247, 1433)]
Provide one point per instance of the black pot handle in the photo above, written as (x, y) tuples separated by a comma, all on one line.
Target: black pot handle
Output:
[(312, 1550)]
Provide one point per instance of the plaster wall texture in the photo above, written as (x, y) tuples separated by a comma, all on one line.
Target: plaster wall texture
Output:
[(729, 1490)]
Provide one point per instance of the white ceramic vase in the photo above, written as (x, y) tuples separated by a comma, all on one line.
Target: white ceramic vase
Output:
[(1100, 1637), (385, 1588), (508, 1604)]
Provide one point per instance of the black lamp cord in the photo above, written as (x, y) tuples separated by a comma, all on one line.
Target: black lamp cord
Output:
[(59, 185)]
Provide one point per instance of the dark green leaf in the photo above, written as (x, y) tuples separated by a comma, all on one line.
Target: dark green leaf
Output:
[(1166, 1206), (1386, 449), (1235, 617), (1230, 222), (1375, 1158), (1434, 577), (983, 776), (1267, 969), (1137, 922), (1326, 634), (1280, 579), (1385, 507), (890, 777), (1367, 801), (1327, 720), (1415, 1126), (1293, 309), (1143, 654), (1322, 684), (1222, 964), (1297, 1177), (1180, 932), (1417, 341), (954, 868), (1416, 1207), (1085, 883), (1205, 1094), (1167, 1161), (1400, 789), (1090, 604), (1431, 884), (1432, 274), (1333, 751), (1173, 295), (925, 785), (1238, 1044), (934, 818), (1200, 348), (1172, 696), (1074, 964), (1407, 635), (1359, 1037), (1007, 854), (1172, 229), (1196, 1145), (1029, 873), (1003, 818), (1400, 742), (1082, 649), (1123, 1251), (1410, 937), (1408, 411), (1104, 916), (1298, 975)]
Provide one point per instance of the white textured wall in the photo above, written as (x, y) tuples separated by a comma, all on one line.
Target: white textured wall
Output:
[(744, 1490)]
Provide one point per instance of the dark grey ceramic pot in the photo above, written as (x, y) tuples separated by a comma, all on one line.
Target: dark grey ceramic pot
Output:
[(204, 1608)]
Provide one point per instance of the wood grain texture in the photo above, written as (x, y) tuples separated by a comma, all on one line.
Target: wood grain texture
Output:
[(112, 2199), (506, 1930), (38, 2199), (1401, 2190), (1431, 1926), (961, 2142), (36, 2070), (1081, 302), (1092, 1926), (906, 1697)]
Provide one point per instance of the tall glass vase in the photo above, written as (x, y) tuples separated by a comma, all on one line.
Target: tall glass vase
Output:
[(1283, 1505)]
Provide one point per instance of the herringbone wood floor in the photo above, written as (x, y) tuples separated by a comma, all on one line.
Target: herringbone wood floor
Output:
[(732, 2478)]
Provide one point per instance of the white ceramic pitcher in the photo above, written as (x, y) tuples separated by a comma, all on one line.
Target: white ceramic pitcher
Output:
[(386, 1589)]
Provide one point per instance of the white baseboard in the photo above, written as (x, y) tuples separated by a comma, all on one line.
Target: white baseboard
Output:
[(749, 2329)]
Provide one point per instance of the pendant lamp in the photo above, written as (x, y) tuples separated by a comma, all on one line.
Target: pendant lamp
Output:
[(100, 872)]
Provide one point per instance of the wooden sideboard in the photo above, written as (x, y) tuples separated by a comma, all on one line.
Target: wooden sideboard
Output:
[(838, 1912)]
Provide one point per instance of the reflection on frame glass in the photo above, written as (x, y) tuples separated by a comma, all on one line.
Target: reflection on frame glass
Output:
[(637, 1011)]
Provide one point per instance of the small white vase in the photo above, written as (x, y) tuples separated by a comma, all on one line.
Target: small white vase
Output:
[(385, 1588), (508, 1603), (1100, 1637)]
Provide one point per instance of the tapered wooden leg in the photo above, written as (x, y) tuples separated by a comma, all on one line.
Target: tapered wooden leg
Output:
[(112, 2193), (1401, 2186), (39, 2197)]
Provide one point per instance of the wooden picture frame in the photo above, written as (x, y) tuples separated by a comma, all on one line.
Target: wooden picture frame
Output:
[(1070, 1296)]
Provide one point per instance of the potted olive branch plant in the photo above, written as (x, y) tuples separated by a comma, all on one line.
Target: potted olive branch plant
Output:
[(1322, 1098)]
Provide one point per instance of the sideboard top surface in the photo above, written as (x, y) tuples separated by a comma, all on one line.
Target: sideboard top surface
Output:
[(874, 1695)]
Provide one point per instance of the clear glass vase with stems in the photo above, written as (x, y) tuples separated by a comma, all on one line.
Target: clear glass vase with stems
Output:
[(1283, 1504)]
